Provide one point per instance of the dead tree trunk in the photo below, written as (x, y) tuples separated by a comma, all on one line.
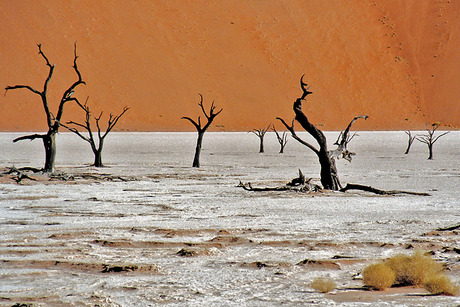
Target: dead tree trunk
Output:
[(202, 130), (261, 134), (96, 147), (282, 139), (49, 139), (328, 173), (430, 139), (409, 141)]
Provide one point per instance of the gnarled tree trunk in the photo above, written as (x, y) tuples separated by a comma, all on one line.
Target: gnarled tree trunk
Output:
[(328, 173), (49, 139)]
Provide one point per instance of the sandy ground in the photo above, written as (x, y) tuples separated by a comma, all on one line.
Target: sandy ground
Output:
[(148, 229), (396, 61)]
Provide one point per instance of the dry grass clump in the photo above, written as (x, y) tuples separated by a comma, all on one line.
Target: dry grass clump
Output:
[(378, 276), (323, 284), (413, 270), (441, 285)]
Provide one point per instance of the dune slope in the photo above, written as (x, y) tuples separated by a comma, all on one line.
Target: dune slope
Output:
[(396, 61)]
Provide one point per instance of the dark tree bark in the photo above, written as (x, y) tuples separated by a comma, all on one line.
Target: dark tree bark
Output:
[(96, 147), (328, 173), (409, 141), (430, 139), (261, 134), (201, 130), (49, 139), (353, 186), (282, 139)]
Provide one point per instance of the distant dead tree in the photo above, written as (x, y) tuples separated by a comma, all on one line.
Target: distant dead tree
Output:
[(53, 122), (282, 139), (261, 134), (201, 130), (430, 139), (409, 141), (95, 146)]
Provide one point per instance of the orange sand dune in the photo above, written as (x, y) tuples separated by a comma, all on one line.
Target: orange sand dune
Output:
[(396, 61)]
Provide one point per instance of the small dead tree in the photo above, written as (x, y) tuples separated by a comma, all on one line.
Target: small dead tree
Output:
[(430, 139), (282, 139), (201, 130), (261, 134), (409, 141), (95, 146), (53, 122)]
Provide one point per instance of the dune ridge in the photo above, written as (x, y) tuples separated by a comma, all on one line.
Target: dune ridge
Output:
[(396, 61)]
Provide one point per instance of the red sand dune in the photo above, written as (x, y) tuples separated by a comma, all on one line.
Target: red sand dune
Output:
[(397, 61)]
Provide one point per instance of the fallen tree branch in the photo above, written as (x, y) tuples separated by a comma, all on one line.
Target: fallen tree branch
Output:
[(353, 186), (449, 228), (298, 184)]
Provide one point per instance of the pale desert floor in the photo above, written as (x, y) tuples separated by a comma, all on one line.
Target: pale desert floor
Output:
[(150, 230)]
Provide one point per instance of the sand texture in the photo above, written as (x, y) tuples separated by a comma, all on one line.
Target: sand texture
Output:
[(150, 230), (396, 61)]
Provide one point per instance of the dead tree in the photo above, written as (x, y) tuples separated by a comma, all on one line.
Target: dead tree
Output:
[(261, 134), (409, 141), (201, 130), (328, 173), (95, 146), (282, 139), (430, 139), (53, 122)]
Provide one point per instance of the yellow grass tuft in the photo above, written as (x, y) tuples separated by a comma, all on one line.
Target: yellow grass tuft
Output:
[(413, 270), (441, 285), (323, 285), (378, 276)]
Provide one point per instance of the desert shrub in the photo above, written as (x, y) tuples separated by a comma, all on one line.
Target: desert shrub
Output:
[(378, 276), (441, 284), (323, 284), (413, 270)]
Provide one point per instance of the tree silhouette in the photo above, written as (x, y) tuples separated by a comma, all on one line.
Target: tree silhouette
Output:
[(96, 146), (430, 139), (53, 122), (409, 141), (260, 134), (201, 130), (282, 139), (328, 173)]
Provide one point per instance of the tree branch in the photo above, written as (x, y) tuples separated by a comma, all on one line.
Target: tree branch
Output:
[(30, 137), (296, 137)]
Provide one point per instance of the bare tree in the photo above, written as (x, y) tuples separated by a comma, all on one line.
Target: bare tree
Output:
[(53, 122), (261, 134), (282, 139), (95, 146), (409, 141), (201, 130), (430, 139), (328, 173)]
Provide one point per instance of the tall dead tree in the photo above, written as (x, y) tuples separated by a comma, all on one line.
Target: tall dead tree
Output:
[(409, 141), (282, 139), (53, 122), (430, 139), (328, 173), (96, 146), (260, 134), (201, 130)]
